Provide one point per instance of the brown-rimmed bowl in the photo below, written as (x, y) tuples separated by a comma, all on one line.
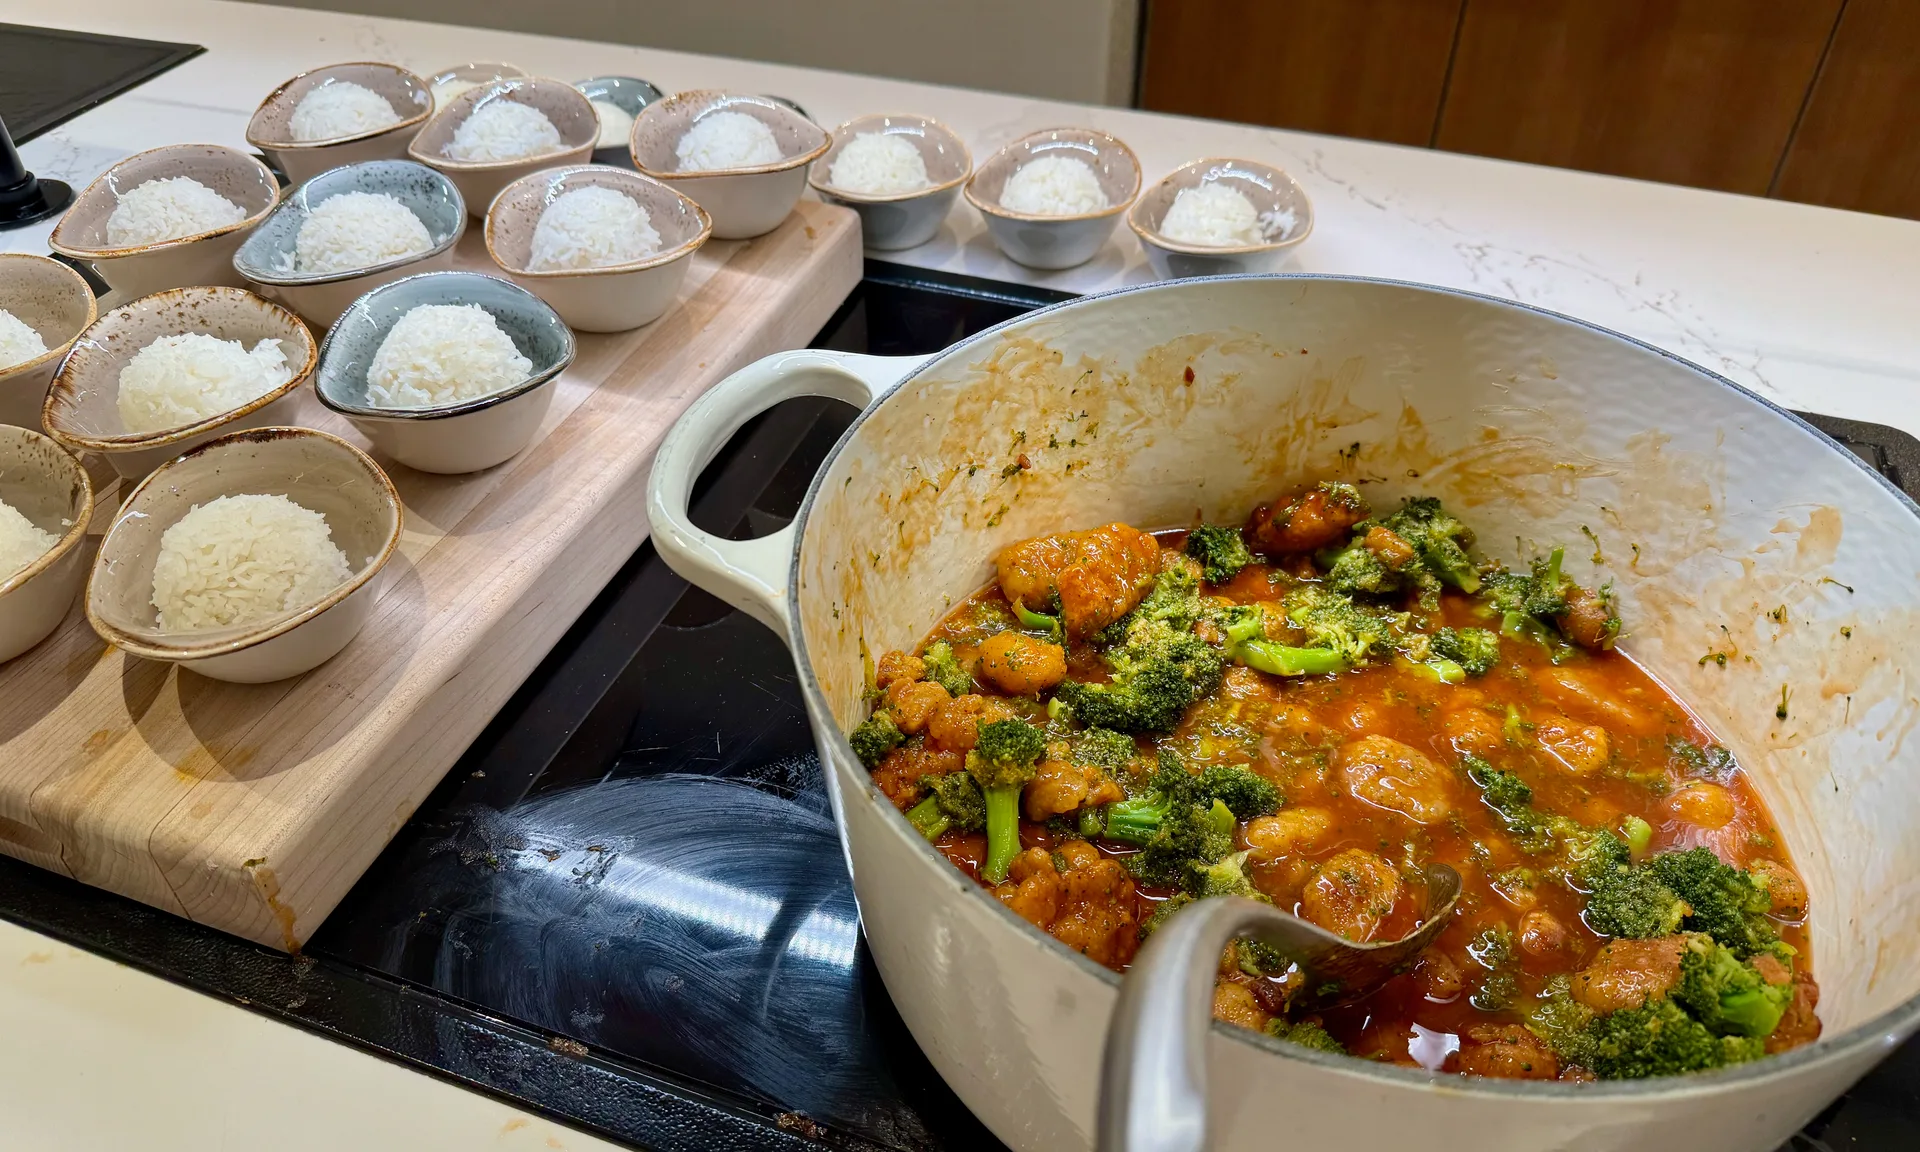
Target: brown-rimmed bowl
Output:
[(451, 82), (51, 489), (1053, 242), (82, 410), (480, 181), (269, 131), (202, 258), (319, 472), (53, 300), (616, 297), (894, 220), (743, 202), (1270, 189)]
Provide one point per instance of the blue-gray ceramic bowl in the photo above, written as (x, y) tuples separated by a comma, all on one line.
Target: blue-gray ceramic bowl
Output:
[(461, 437), (627, 93), (893, 220), (266, 259)]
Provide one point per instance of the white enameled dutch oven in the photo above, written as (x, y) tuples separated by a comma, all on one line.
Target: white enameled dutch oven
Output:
[(1202, 398)]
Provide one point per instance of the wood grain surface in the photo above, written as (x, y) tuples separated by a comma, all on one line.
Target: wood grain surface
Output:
[(1700, 92), (1858, 145), (255, 808), (1368, 68)]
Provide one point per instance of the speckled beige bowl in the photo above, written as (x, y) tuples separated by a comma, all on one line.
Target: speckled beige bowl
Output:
[(1055, 241), (743, 202), (618, 296), (893, 220), (202, 258), (409, 95), (53, 300), (82, 410), (1270, 190), (48, 487), (450, 82), (480, 181), (321, 473)]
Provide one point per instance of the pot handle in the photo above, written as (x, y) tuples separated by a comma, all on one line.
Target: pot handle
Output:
[(749, 574)]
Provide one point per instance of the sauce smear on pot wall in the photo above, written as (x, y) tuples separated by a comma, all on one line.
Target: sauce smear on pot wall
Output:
[(1308, 709)]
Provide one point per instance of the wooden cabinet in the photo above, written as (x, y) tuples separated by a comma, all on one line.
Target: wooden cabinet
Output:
[(1815, 100)]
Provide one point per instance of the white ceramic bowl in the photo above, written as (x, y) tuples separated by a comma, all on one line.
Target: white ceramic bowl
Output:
[(53, 300), (1534, 423), (1053, 242), (453, 438), (743, 202), (894, 220), (321, 473), (266, 259), (200, 259), (48, 487), (1270, 190), (618, 296), (82, 409), (480, 181), (302, 160)]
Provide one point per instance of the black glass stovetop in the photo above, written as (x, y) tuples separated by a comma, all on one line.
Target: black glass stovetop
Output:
[(626, 906), (50, 75)]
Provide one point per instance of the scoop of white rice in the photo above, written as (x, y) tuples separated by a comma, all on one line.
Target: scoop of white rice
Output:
[(727, 140), (443, 354), (355, 230), (503, 130), (1212, 214), (616, 124), (1054, 185), (237, 559), (167, 209), (339, 108), (182, 379), (19, 342), (879, 164), (592, 228), (21, 541)]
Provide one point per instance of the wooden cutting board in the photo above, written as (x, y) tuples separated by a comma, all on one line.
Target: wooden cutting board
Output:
[(254, 808)]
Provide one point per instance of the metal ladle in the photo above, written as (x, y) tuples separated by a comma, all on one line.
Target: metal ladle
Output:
[(1153, 1077)]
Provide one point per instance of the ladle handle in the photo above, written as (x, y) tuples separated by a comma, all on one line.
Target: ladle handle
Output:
[(749, 574)]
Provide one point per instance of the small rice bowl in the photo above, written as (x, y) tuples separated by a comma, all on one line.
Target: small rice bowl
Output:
[(616, 124), (439, 354), (355, 230), (19, 341), (1216, 215), (183, 379), (879, 164), (168, 209), (238, 559), (1054, 185), (339, 108), (503, 130), (727, 139), (591, 228), (21, 541)]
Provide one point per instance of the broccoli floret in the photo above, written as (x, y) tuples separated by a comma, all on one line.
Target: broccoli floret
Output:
[(1246, 643), (1257, 958), (1113, 752), (944, 669), (1335, 622), (1504, 792), (1563, 1022), (1587, 857), (1226, 876), (1188, 840), (1246, 793), (960, 799), (1726, 994), (1476, 650), (1183, 823), (1002, 762), (1220, 551), (928, 820), (1356, 569), (875, 736), (1540, 592), (1305, 1034), (1438, 539), (1660, 1039), (1634, 904), (1162, 912), (1724, 902), (1159, 668)]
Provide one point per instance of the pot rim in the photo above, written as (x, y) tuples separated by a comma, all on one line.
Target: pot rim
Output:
[(1896, 1021)]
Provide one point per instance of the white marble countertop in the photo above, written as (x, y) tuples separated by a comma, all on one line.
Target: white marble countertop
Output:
[(1815, 308)]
